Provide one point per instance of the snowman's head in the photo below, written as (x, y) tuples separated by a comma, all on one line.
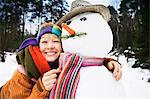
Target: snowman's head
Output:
[(93, 36)]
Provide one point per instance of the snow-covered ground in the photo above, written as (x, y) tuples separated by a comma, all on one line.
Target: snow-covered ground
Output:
[(7, 68), (133, 79)]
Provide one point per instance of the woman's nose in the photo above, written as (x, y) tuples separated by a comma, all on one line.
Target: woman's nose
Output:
[(51, 44)]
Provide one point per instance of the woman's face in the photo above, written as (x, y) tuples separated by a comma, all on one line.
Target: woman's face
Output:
[(50, 46)]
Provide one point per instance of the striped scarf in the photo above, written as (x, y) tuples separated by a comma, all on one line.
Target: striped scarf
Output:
[(67, 83)]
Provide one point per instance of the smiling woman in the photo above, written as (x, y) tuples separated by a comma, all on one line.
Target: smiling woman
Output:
[(38, 65)]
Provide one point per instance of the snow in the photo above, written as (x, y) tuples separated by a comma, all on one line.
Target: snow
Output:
[(7, 68), (134, 79)]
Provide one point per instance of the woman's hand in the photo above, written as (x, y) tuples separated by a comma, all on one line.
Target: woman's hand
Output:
[(49, 78), (115, 67)]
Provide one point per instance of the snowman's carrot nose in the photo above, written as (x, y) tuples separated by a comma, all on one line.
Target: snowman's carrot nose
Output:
[(67, 28)]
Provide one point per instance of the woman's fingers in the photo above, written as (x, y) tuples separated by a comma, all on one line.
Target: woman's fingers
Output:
[(53, 71), (49, 78)]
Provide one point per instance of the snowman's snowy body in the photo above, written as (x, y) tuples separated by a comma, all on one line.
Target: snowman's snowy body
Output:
[(96, 82)]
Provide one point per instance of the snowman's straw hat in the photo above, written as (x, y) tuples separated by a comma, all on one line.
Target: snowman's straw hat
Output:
[(81, 6)]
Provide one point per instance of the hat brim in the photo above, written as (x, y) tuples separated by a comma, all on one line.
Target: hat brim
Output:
[(101, 9)]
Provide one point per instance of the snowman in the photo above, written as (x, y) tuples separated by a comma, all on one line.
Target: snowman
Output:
[(85, 31)]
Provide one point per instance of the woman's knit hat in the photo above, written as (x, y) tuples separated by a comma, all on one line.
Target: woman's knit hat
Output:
[(44, 28), (81, 6), (48, 28)]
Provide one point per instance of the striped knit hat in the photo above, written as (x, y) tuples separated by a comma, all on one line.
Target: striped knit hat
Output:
[(44, 28), (48, 28)]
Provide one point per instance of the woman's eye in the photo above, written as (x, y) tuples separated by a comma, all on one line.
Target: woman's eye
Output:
[(68, 22), (44, 42), (83, 19), (56, 41)]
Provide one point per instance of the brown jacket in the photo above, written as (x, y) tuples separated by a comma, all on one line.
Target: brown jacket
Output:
[(22, 87)]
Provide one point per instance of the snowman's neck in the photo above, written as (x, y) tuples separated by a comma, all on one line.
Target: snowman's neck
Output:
[(92, 61)]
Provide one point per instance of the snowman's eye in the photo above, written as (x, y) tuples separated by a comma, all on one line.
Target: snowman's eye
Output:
[(83, 19), (68, 22)]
